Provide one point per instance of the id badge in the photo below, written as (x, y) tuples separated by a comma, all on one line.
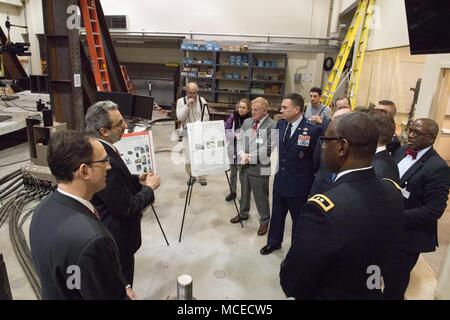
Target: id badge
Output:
[(303, 141), (405, 193), (259, 141)]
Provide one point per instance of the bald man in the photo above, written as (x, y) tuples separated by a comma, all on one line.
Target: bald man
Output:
[(425, 181), (191, 108)]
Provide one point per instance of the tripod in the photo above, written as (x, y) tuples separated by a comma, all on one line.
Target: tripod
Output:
[(159, 223), (187, 201)]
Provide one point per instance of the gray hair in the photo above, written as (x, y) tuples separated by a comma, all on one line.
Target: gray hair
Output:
[(97, 116)]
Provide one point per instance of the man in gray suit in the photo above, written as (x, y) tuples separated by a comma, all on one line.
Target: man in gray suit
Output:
[(254, 146)]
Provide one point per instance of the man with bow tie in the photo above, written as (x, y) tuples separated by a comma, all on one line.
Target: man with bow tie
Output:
[(425, 182)]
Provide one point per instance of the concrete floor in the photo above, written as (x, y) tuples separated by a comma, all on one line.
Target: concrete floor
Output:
[(222, 258)]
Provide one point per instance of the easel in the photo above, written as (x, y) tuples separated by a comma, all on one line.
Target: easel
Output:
[(187, 201), (160, 226)]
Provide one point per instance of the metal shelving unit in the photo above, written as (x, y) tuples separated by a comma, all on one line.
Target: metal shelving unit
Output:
[(235, 74)]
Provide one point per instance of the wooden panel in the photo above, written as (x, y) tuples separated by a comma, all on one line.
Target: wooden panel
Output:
[(389, 74)]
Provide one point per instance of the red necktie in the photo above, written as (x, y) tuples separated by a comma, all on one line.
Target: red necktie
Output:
[(411, 152), (255, 127)]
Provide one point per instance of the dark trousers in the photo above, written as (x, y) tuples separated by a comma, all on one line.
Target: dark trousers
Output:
[(397, 272), (128, 268), (280, 207)]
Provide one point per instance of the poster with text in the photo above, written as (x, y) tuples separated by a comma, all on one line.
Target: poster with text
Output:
[(207, 148), (137, 151)]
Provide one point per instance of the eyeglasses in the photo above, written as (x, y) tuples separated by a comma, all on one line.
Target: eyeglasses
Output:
[(120, 124), (105, 160), (323, 140), (416, 133)]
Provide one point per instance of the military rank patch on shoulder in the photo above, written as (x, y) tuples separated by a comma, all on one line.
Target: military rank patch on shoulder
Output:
[(394, 183), (323, 201)]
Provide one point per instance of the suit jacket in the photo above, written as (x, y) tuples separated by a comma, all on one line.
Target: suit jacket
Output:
[(428, 182), (65, 233), (323, 177), (260, 152), (121, 203), (341, 233), (395, 144), (385, 166), (296, 166)]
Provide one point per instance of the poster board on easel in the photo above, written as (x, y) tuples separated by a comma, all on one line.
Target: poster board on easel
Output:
[(207, 148)]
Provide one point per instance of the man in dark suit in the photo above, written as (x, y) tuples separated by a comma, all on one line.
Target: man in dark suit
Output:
[(74, 254), (343, 236), (121, 203), (425, 181), (324, 178), (254, 147), (297, 140), (389, 107), (383, 163)]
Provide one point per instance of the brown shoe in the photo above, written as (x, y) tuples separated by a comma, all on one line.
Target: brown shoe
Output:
[(238, 219), (263, 229)]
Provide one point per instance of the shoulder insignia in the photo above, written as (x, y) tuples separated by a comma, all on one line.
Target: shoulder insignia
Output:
[(394, 183), (323, 201)]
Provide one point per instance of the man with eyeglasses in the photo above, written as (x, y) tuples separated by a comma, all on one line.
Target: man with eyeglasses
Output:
[(324, 178), (425, 182), (126, 196), (75, 256), (345, 234)]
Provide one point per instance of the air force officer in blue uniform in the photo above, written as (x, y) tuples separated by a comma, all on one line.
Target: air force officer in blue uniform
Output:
[(293, 181)]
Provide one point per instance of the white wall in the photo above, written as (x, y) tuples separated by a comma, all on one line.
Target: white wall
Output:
[(16, 16), (345, 4), (292, 17), (35, 22), (430, 79), (390, 28), (29, 15), (284, 17)]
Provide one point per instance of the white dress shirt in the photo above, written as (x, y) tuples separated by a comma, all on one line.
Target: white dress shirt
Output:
[(86, 203), (260, 122), (379, 149), (340, 174), (407, 162), (295, 125)]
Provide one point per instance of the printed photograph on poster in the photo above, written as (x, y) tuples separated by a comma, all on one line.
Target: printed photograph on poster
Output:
[(207, 148), (136, 150)]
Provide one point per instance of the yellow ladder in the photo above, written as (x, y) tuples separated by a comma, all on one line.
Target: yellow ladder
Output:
[(359, 58), (363, 15)]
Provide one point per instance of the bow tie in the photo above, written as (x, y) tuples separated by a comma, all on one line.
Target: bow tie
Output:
[(411, 152)]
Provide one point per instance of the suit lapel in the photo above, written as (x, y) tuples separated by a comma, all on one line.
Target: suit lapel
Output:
[(417, 165), (122, 166), (113, 154)]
